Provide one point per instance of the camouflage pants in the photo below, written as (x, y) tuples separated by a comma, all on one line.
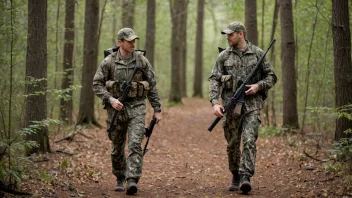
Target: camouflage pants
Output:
[(246, 126), (133, 128)]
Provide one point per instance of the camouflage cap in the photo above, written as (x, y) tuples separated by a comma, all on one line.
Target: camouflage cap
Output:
[(126, 34), (234, 27)]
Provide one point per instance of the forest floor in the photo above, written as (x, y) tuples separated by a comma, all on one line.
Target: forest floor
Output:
[(185, 160)]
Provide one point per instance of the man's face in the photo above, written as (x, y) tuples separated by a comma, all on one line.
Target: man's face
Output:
[(233, 39), (127, 46)]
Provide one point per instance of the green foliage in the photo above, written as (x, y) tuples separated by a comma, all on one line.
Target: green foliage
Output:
[(343, 149), (13, 163), (332, 167), (63, 165), (45, 176), (268, 131)]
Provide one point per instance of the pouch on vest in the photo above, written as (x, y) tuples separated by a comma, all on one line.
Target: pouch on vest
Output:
[(113, 88), (143, 88), (133, 90), (227, 81)]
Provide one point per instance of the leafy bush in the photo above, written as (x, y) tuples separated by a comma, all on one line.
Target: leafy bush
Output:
[(13, 162), (268, 131), (343, 150)]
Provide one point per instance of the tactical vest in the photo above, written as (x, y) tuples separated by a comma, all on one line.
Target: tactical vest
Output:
[(139, 88), (230, 84)]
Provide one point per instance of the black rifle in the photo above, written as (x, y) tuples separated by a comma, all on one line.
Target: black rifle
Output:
[(238, 96), (148, 133), (126, 87)]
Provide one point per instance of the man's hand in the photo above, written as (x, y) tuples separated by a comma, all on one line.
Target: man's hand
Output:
[(116, 104), (218, 110), (157, 115), (252, 89)]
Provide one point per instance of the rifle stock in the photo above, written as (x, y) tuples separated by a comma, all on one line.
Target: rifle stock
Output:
[(239, 94)]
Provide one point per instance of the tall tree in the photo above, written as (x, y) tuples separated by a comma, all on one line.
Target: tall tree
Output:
[(36, 73), (150, 34), (342, 64), (273, 61), (309, 66), (290, 116), (251, 21), (178, 8), (127, 15), (91, 26), (183, 43), (198, 65), (66, 105)]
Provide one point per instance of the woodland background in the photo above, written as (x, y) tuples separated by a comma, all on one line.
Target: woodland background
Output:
[(51, 50)]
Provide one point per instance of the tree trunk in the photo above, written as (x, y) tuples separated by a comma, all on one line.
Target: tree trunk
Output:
[(290, 116), (67, 80), (36, 73), (273, 62), (150, 34), (266, 103), (342, 64), (198, 67), (308, 67), (183, 43), (91, 25), (251, 21), (127, 15), (177, 9)]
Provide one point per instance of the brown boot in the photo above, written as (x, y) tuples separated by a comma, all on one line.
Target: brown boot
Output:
[(131, 187), (120, 182), (234, 186), (245, 184)]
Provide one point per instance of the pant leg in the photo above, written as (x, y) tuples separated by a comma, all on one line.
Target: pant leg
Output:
[(250, 125), (118, 159), (118, 139), (232, 134), (136, 131)]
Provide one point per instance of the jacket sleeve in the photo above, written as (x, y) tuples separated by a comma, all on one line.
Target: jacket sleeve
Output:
[(269, 77), (215, 81), (153, 95), (99, 80)]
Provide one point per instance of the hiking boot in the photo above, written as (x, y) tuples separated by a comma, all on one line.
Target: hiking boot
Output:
[(235, 181), (131, 187), (119, 184), (245, 184)]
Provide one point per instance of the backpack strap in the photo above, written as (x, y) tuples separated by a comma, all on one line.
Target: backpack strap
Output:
[(112, 66)]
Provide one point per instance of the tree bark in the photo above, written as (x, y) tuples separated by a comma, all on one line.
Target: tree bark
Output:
[(91, 25), (342, 64), (290, 116), (177, 9), (273, 62), (183, 43), (150, 34), (251, 21), (67, 80), (36, 74), (127, 15), (198, 65)]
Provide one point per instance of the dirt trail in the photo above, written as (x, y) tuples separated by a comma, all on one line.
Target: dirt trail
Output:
[(184, 160)]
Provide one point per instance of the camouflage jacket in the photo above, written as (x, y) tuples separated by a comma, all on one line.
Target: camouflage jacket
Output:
[(238, 65), (121, 73)]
